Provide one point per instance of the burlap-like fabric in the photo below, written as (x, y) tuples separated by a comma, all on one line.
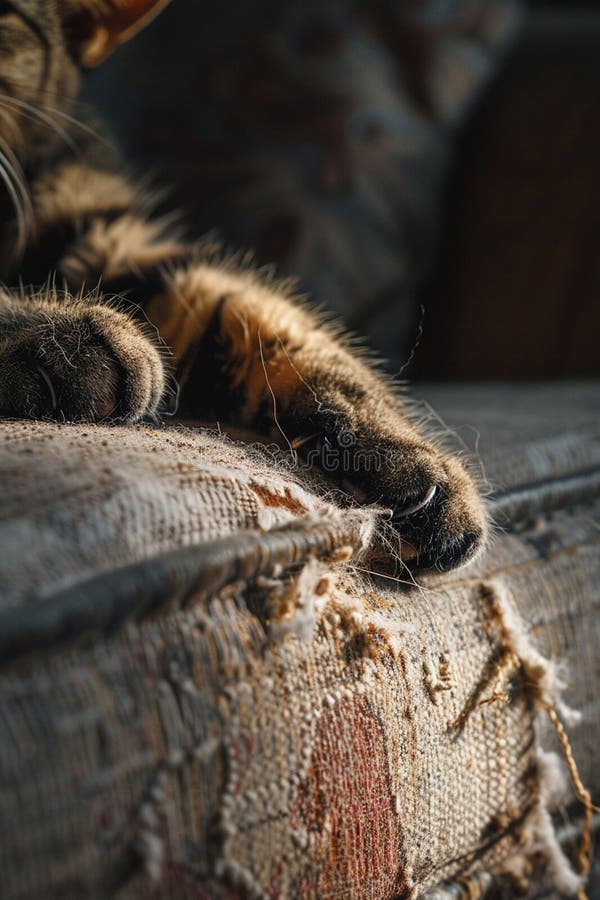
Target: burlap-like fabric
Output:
[(205, 694)]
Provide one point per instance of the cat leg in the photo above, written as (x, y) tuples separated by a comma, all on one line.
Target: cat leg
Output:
[(250, 354), (75, 359), (266, 361)]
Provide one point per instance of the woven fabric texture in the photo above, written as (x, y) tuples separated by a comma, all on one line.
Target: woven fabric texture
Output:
[(204, 693)]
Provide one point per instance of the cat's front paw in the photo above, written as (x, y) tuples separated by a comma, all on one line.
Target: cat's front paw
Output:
[(435, 506), (79, 362)]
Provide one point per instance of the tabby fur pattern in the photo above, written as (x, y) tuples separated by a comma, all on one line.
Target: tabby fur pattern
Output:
[(98, 287)]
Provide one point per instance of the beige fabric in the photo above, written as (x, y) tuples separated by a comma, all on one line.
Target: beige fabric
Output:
[(77, 501), (302, 731)]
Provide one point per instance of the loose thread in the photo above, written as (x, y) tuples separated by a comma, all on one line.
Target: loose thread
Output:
[(536, 670), (504, 666), (583, 795)]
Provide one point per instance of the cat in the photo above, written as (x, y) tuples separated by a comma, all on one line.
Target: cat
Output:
[(78, 232)]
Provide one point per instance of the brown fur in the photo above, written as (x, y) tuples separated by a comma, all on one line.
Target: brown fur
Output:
[(242, 347)]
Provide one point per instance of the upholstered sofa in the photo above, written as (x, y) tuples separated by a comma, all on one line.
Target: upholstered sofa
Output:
[(215, 680)]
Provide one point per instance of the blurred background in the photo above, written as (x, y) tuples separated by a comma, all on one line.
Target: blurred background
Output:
[(429, 169)]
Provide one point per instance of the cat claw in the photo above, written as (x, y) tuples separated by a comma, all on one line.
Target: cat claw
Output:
[(409, 509)]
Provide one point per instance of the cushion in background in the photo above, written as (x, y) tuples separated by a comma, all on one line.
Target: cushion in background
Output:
[(317, 134), (205, 694)]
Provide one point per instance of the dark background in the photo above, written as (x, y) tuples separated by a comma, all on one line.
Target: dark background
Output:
[(517, 292), (463, 239)]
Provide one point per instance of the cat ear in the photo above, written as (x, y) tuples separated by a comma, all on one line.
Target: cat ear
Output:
[(98, 26)]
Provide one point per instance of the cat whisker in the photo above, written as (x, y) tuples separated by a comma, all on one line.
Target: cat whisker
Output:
[(20, 200), (293, 453), (72, 120), (78, 124), (34, 114), (18, 174)]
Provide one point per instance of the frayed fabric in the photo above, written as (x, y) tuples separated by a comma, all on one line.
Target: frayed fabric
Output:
[(545, 679)]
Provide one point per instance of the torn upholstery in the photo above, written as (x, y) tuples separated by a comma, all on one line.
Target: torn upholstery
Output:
[(206, 694)]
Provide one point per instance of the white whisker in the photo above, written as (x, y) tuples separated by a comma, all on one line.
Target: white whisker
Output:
[(34, 114), (8, 177), (293, 453), (78, 124), (18, 173)]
